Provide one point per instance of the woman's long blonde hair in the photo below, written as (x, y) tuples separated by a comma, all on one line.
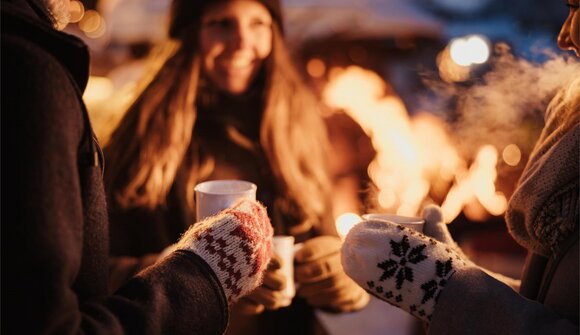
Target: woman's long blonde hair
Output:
[(155, 136)]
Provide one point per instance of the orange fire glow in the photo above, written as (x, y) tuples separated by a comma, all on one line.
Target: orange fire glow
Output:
[(345, 222), (416, 157)]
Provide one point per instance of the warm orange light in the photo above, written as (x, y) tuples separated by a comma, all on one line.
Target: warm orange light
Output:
[(484, 181), (90, 22), (512, 155), (316, 68), (387, 198), (98, 90), (345, 222), (76, 10), (478, 183), (397, 169), (93, 24), (449, 70), (413, 155), (100, 32)]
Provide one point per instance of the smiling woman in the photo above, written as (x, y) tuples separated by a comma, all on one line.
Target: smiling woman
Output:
[(227, 103), (235, 39)]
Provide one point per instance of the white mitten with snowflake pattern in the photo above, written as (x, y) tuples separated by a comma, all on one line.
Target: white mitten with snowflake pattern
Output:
[(399, 265)]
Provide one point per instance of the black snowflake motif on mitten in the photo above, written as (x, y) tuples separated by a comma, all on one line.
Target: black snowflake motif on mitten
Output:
[(433, 287), (400, 268), (415, 310)]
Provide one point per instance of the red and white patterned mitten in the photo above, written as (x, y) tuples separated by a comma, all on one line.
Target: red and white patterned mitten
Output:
[(237, 245), (399, 265)]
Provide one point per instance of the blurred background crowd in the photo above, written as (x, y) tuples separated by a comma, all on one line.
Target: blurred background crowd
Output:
[(426, 101)]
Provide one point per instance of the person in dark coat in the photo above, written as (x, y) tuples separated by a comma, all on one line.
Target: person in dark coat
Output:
[(428, 276), (54, 215)]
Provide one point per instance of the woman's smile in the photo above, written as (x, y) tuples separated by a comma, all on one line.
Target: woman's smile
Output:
[(236, 38)]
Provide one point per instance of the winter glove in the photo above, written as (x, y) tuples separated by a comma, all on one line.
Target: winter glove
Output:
[(321, 279), (436, 227), (399, 265), (236, 243), (270, 295)]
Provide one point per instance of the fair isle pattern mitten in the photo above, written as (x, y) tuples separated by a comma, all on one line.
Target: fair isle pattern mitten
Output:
[(237, 245), (436, 227), (399, 265)]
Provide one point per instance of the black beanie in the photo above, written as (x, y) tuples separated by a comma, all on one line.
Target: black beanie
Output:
[(184, 13)]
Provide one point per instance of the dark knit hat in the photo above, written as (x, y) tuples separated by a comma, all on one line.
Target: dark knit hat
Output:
[(186, 13)]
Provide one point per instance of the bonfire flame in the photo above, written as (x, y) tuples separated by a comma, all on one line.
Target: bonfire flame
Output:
[(415, 156)]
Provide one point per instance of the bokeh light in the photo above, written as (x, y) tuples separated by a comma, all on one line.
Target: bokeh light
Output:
[(93, 24), (76, 10), (345, 222), (469, 50), (512, 155), (316, 68)]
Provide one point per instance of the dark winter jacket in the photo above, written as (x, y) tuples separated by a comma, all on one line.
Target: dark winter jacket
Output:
[(54, 216)]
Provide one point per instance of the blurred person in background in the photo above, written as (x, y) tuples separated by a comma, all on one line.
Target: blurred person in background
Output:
[(224, 101), (54, 217), (429, 276)]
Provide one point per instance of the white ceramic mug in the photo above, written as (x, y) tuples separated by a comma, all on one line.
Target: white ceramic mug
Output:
[(284, 247), (405, 221), (213, 196)]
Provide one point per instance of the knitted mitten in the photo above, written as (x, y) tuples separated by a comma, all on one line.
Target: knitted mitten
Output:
[(236, 243), (436, 227), (399, 265)]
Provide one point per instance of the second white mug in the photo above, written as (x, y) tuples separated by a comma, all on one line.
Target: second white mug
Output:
[(284, 247)]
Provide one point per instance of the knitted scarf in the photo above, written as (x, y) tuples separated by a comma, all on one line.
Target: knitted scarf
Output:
[(543, 211)]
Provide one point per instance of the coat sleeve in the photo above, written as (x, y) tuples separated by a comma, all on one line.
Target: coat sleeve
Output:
[(475, 303), (42, 224), (123, 268)]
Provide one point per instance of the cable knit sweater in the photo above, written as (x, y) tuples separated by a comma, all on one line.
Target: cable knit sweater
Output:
[(543, 210)]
